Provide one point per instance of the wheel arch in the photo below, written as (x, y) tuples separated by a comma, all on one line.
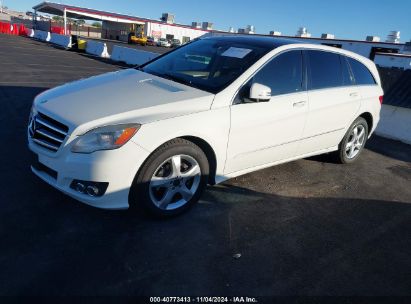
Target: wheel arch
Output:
[(203, 145), (369, 119), (209, 152)]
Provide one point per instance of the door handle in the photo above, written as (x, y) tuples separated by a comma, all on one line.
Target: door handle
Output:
[(354, 94), (299, 104)]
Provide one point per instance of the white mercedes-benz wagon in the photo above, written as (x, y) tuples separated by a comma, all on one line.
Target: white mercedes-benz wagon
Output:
[(216, 108)]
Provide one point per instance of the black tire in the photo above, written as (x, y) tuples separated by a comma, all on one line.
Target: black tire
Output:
[(341, 154), (139, 197)]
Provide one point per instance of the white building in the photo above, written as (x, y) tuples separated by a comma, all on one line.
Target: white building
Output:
[(118, 26)]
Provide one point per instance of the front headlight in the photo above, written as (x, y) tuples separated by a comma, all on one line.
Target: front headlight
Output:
[(105, 138)]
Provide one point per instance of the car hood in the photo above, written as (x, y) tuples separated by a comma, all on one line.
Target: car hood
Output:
[(127, 96)]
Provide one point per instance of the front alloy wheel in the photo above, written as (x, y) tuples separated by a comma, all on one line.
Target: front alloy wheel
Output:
[(175, 182), (171, 180)]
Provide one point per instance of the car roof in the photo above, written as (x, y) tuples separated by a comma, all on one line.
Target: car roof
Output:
[(275, 42), (264, 41)]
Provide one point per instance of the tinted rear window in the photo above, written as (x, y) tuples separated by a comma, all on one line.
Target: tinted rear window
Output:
[(361, 73), (325, 70), (348, 79)]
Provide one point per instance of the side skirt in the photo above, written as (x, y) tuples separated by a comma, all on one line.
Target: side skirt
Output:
[(221, 178)]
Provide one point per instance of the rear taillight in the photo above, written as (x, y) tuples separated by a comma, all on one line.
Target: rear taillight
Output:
[(381, 99)]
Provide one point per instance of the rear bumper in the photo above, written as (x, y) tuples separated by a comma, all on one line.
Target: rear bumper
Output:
[(376, 121), (115, 167)]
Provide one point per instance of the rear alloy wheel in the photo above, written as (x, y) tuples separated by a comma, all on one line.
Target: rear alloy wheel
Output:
[(171, 180), (353, 142)]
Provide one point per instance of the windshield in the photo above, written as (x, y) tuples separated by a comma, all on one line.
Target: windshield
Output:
[(208, 64)]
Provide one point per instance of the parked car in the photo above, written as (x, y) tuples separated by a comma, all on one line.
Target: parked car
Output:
[(155, 136), (163, 42), (175, 43), (151, 41)]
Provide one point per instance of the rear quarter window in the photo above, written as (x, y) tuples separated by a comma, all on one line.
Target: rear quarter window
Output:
[(325, 70), (348, 77), (362, 74)]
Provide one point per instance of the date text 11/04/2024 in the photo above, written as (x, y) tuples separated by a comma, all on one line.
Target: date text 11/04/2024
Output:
[(203, 300)]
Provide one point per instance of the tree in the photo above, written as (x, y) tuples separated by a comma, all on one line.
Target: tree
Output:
[(57, 18), (96, 24), (78, 22)]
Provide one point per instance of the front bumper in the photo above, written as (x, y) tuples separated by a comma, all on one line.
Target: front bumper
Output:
[(116, 167)]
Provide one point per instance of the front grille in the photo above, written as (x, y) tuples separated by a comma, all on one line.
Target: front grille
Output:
[(47, 132)]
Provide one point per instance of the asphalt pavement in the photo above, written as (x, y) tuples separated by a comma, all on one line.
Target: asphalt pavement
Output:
[(307, 228)]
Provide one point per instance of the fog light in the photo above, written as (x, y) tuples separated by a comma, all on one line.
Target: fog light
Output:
[(94, 189), (80, 187)]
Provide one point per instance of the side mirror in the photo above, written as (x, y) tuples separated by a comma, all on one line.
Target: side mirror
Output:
[(260, 92)]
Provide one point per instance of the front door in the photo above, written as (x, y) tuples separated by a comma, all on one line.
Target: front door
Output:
[(266, 132)]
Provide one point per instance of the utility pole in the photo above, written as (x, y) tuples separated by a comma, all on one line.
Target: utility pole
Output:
[(1, 6), (65, 22)]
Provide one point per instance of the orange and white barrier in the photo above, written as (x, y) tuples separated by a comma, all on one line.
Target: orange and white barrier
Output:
[(13, 29)]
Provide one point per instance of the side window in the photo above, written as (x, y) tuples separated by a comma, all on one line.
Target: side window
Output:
[(325, 70), (361, 73), (348, 78), (283, 74)]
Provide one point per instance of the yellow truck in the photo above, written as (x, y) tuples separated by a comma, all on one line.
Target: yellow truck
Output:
[(137, 39)]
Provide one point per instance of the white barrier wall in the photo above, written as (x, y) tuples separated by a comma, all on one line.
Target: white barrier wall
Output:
[(397, 61), (30, 32), (61, 40), (131, 56), (97, 48), (42, 35), (161, 30), (395, 123)]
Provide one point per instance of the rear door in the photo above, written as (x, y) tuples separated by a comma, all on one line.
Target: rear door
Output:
[(333, 100), (368, 88)]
